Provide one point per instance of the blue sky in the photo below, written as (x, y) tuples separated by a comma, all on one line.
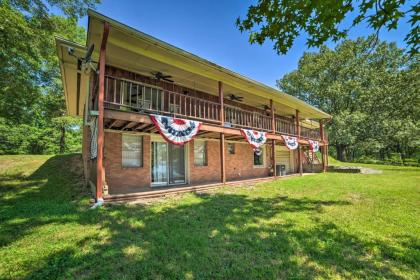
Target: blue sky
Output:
[(207, 29)]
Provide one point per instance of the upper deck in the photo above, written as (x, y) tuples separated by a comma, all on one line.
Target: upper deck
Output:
[(134, 93)]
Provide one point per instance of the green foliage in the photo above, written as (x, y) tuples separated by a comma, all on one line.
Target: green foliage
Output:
[(283, 21), (372, 94), (325, 226), (27, 139), (31, 93)]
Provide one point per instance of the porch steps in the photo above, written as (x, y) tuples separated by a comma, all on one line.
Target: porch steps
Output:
[(130, 197)]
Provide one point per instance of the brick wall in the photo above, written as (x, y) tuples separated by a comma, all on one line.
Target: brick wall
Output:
[(119, 179), (238, 166), (241, 164), (209, 173)]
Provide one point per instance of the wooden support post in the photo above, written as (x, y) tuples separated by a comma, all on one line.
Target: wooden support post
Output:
[(99, 161), (273, 155), (324, 147), (221, 102), (299, 147), (222, 136), (273, 143), (273, 118), (222, 158)]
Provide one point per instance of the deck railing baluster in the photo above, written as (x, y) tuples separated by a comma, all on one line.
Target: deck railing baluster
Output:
[(165, 101)]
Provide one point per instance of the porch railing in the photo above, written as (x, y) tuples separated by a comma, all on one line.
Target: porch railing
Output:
[(285, 127), (238, 117), (128, 95), (310, 133)]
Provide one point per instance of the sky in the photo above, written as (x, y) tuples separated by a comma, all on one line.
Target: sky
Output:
[(207, 29)]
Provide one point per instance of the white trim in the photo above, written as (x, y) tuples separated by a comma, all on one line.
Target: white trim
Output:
[(205, 153), (159, 138), (141, 151)]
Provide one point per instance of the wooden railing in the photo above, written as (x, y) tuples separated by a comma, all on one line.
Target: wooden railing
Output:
[(238, 117), (310, 133), (285, 127), (127, 95)]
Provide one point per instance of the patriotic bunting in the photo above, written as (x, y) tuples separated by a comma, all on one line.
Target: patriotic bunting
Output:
[(255, 138), (290, 141), (174, 130), (314, 145)]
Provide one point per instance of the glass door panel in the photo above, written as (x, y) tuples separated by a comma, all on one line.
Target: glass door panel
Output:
[(159, 163), (176, 156)]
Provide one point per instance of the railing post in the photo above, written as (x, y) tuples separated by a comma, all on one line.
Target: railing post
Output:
[(299, 147), (99, 160), (222, 135), (273, 142), (273, 117)]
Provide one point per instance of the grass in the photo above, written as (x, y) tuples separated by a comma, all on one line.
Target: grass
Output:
[(321, 226)]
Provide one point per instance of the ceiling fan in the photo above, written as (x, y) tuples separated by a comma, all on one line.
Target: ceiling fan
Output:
[(159, 76), (266, 107), (233, 97)]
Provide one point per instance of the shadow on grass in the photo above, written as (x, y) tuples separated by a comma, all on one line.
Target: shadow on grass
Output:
[(43, 197), (219, 235)]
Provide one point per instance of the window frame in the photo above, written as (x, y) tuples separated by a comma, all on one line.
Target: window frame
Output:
[(205, 154), (233, 147), (141, 156), (263, 158)]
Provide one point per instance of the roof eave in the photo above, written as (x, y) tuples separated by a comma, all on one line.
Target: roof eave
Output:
[(188, 55)]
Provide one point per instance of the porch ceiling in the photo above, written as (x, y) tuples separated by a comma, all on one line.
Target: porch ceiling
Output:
[(140, 53), (128, 122), (75, 81)]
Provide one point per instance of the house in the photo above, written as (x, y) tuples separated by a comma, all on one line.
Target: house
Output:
[(158, 119)]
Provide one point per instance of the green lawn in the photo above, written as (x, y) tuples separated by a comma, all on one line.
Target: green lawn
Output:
[(321, 226)]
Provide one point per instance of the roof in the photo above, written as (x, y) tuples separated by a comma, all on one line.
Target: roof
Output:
[(74, 81), (136, 51)]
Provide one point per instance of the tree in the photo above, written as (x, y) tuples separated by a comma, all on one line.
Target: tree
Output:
[(31, 93), (66, 124), (373, 96), (283, 21)]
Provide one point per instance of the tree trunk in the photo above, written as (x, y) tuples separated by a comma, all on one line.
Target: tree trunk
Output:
[(63, 139), (341, 149)]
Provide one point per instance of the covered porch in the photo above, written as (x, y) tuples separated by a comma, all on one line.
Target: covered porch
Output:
[(223, 165)]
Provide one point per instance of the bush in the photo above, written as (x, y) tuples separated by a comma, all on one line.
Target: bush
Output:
[(393, 159), (411, 162)]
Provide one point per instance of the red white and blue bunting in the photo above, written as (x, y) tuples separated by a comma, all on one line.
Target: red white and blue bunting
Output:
[(291, 142), (255, 138), (174, 130), (314, 145)]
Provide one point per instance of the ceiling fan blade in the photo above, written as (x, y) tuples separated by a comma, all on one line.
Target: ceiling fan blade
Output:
[(168, 80)]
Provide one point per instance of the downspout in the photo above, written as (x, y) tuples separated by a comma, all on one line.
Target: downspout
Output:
[(99, 159)]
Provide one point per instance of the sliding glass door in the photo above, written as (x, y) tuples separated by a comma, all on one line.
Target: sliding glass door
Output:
[(168, 164)]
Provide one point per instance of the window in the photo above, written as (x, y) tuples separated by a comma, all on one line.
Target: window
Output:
[(259, 157), (200, 153), (132, 155), (231, 148)]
